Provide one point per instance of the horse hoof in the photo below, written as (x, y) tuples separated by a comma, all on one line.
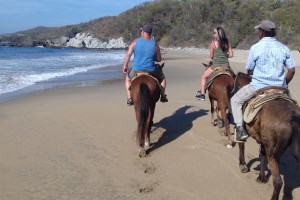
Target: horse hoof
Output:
[(243, 168), (142, 153), (220, 124), (262, 180), (230, 145)]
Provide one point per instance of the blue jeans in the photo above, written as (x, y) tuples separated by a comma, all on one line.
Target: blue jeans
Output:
[(237, 102)]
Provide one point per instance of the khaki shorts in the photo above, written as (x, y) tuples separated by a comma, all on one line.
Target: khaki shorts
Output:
[(157, 73)]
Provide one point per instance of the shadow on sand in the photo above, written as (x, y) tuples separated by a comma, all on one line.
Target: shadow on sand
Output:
[(176, 125), (288, 170), (291, 174)]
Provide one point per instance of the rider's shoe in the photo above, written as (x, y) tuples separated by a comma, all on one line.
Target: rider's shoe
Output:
[(163, 98), (241, 134), (130, 102), (200, 96)]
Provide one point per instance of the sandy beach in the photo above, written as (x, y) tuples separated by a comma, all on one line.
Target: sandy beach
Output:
[(77, 143)]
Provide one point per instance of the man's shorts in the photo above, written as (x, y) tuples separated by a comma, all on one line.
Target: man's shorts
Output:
[(157, 73)]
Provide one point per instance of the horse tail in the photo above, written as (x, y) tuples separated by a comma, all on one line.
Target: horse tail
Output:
[(229, 89), (144, 113), (295, 141), (230, 93)]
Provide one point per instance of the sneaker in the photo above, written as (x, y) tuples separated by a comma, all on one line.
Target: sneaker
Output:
[(200, 96), (163, 98), (241, 134), (130, 102)]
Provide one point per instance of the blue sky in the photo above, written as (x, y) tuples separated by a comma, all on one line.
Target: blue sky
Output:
[(18, 15)]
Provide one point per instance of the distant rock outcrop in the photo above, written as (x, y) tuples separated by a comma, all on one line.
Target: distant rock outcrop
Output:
[(88, 41), (80, 40)]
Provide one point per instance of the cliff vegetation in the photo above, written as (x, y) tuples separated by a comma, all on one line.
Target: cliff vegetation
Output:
[(178, 23)]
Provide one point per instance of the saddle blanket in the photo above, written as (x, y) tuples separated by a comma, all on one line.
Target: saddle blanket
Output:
[(254, 105), (146, 74), (217, 72)]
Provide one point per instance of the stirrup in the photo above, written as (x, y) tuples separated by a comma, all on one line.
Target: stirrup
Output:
[(242, 139)]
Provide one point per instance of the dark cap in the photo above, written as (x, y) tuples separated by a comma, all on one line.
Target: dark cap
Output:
[(266, 25), (147, 28)]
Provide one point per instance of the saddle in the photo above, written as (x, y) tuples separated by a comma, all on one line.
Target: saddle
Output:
[(217, 72), (145, 73), (139, 73), (254, 105)]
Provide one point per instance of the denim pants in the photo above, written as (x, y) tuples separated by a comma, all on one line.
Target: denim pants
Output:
[(237, 102)]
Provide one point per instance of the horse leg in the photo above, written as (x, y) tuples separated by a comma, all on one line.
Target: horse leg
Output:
[(263, 161), (227, 129), (224, 119), (139, 133), (277, 180), (149, 125), (142, 150), (212, 112), (242, 163), (147, 139), (220, 122)]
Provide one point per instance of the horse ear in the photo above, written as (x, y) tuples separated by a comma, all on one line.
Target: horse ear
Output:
[(162, 65), (205, 65)]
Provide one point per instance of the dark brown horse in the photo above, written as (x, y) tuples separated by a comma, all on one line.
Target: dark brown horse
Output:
[(145, 91), (221, 90), (275, 127)]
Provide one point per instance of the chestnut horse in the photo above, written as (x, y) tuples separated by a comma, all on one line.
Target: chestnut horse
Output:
[(145, 91), (275, 127), (221, 90)]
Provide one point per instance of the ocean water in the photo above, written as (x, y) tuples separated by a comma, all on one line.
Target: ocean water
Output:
[(24, 70)]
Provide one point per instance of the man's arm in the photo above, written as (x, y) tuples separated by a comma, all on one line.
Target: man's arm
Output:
[(128, 55), (230, 53), (158, 55), (290, 74)]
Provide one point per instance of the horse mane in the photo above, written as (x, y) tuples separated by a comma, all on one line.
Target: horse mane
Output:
[(240, 80)]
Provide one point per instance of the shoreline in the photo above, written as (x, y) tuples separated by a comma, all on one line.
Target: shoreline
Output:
[(79, 143), (90, 77)]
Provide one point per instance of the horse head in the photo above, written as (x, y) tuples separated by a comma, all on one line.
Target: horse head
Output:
[(241, 80), (160, 66)]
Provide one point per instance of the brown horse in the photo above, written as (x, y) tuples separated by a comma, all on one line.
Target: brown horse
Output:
[(275, 127), (145, 91), (221, 90)]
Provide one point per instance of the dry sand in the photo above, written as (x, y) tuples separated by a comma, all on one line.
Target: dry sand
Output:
[(77, 143)]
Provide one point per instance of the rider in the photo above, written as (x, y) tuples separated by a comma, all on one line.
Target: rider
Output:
[(220, 51), (267, 60), (146, 51)]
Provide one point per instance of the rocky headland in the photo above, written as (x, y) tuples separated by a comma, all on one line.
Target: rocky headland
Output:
[(80, 40)]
